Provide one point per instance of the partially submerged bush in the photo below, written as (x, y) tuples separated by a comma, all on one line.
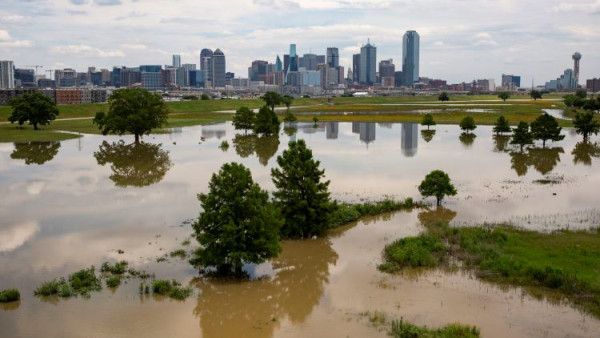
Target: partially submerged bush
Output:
[(401, 329), (9, 295), (423, 250), (171, 288), (113, 281), (81, 282), (118, 268)]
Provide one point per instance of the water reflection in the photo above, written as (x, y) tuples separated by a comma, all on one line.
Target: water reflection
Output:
[(10, 306), (467, 139), (290, 131), (428, 135), (365, 130), (332, 129), (501, 142), (136, 164), (229, 308), (409, 139), (543, 160), (584, 151), (213, 131), (432, 216), (35, 152), (265, 147)]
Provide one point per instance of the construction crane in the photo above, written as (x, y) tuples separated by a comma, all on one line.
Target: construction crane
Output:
[(36, 68)]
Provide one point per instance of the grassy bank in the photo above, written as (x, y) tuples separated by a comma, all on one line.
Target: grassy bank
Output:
[(347, 212), (401, 329), (564, 262)]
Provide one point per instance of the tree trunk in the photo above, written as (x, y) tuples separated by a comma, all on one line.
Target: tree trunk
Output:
[(137, 138), (439, 201), (35, 127)]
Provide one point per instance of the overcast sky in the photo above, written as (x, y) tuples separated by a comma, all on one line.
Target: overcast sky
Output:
[(461, 40)]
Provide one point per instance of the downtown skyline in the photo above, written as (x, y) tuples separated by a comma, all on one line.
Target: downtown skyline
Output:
[(460, 40)]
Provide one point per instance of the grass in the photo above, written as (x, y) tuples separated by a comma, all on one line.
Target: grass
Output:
[(400, 329), (566, 262), (81, 283), (9, 295), (178, 253), (346, 213), (113, 281), (171, 288), (118, 268)]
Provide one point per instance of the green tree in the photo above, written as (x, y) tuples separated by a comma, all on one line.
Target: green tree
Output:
[(287, 101), (272, 99), (592, 104), (238, 223), (302, 195), (35, 152), (467, 124), (585, 124), (132, 110), (437, 183), (427, 120), (504, 96), (244, 118), (443, 97), (36, 108), (289, 118), (545, 127), (535, 94), (266, 122), (521, 135), (204, 97), (501, 126), (581, 93), (136, 164)]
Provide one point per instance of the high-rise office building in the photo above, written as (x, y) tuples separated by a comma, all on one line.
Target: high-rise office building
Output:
[(278, 64), (410, 58), (258, 70), (333, 57), (25, 77), (7, 75), (511, 80), (368, 64), (218, 64), (177, 61), (205, 53), (355, 67), (293, 65)]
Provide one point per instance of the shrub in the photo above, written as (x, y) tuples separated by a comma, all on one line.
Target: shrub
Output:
[(9, 295), (47, 288), (113, 281)]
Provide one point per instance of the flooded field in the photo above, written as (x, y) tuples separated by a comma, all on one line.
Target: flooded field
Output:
[(68, 205)]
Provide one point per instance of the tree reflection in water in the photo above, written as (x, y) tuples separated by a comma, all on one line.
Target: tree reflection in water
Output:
[(265, 147), (35, 152), (136, 164), (467, 139), (438, 215), (427, 135), (256, 308), (543, 160), (501, 142), (584, 151)]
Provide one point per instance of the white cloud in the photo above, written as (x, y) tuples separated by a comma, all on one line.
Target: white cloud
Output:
[(591, 7), (134, 46), (8, 42), (87, 51), (15, 19)]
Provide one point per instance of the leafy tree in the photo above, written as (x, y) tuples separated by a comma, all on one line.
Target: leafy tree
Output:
[(204, 97), (36, 108), (136, 164), (302, 195), (427, 135), (315, 120), (244, 118), (521, 135), (427, 120), (581, 93), (535, 94), (573, 101), (443, 97), (437, 183), (238, 223), (287, 100), (545, 127), (467, 124), (504, 96), (585, 124), (584, 151), (289, 118), (501, 126), (35, 152), (266, 122), (272, 99), (592, 104), (132, 110)]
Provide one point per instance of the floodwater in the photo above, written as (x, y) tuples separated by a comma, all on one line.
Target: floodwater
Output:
[(68, 205)]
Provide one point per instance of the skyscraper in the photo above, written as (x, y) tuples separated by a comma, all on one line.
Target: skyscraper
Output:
[(7, 75), (218, 66), (576, 59), (355, 67), (205, 53), (293, 66), (278, 64), (333, 57), (410, 57), (368, 63), (177, 61)]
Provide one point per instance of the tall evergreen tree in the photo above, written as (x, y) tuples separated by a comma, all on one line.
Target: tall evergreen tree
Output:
[(244, 118), (544, 128), (501, 126), (467, 124), (521, 135), (585, 124), (302, 195), (427, 120), (266, 122)]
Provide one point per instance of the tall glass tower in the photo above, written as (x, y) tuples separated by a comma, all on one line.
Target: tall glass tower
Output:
[(368, 62), (293, 59), (218, 65), (333, 57), (410, 58)]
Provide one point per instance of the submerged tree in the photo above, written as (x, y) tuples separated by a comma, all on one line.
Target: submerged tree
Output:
[(137, 164), (132, 110), (544, 128), (266, 122), (36, 108), (585, 124), (467, 124), (302, 195), (428, 120), (501, 125), (272, 99), (35, 152), (238, 224), (521, 135), (437, 183), (244, 118)]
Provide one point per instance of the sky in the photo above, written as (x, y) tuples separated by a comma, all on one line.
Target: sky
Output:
[(461, 40)]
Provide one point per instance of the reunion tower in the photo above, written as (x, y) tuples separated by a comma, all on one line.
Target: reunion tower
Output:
[(576, 58)]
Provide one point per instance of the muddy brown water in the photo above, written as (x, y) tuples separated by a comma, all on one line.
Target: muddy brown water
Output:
[(64, 211)]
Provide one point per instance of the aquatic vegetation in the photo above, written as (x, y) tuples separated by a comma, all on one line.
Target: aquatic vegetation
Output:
[(47, 288), (171, 288), (179, 253), (81, 283), (345, 212), (113, 281), (401, 329), (9, 295), (118, 268)]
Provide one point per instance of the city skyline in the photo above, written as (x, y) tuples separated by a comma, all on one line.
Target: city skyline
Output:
[(460, 41)]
